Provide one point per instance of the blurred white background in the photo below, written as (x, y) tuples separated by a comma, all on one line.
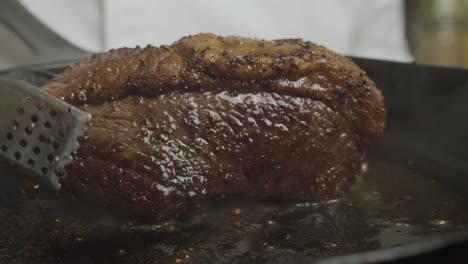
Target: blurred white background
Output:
[(366, 28)]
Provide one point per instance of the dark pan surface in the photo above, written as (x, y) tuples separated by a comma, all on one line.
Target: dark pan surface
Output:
[(383, 210), (415, 189)]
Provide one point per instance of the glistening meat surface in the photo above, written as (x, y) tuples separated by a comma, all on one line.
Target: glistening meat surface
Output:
[(210, 116)]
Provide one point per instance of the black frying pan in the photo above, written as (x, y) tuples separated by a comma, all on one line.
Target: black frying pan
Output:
[(409, 207)]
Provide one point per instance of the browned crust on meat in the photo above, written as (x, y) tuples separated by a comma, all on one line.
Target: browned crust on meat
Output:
[(210, 116), (206, 62)]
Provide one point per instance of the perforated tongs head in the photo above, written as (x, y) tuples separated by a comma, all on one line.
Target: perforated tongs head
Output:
[(38, 132)]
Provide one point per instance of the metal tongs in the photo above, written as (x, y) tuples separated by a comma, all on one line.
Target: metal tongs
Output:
[(38, 132)]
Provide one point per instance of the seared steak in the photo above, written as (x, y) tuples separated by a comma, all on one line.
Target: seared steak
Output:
[(210, 116)]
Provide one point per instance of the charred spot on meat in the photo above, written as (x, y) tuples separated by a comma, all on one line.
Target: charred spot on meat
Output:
[(211, 116)]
